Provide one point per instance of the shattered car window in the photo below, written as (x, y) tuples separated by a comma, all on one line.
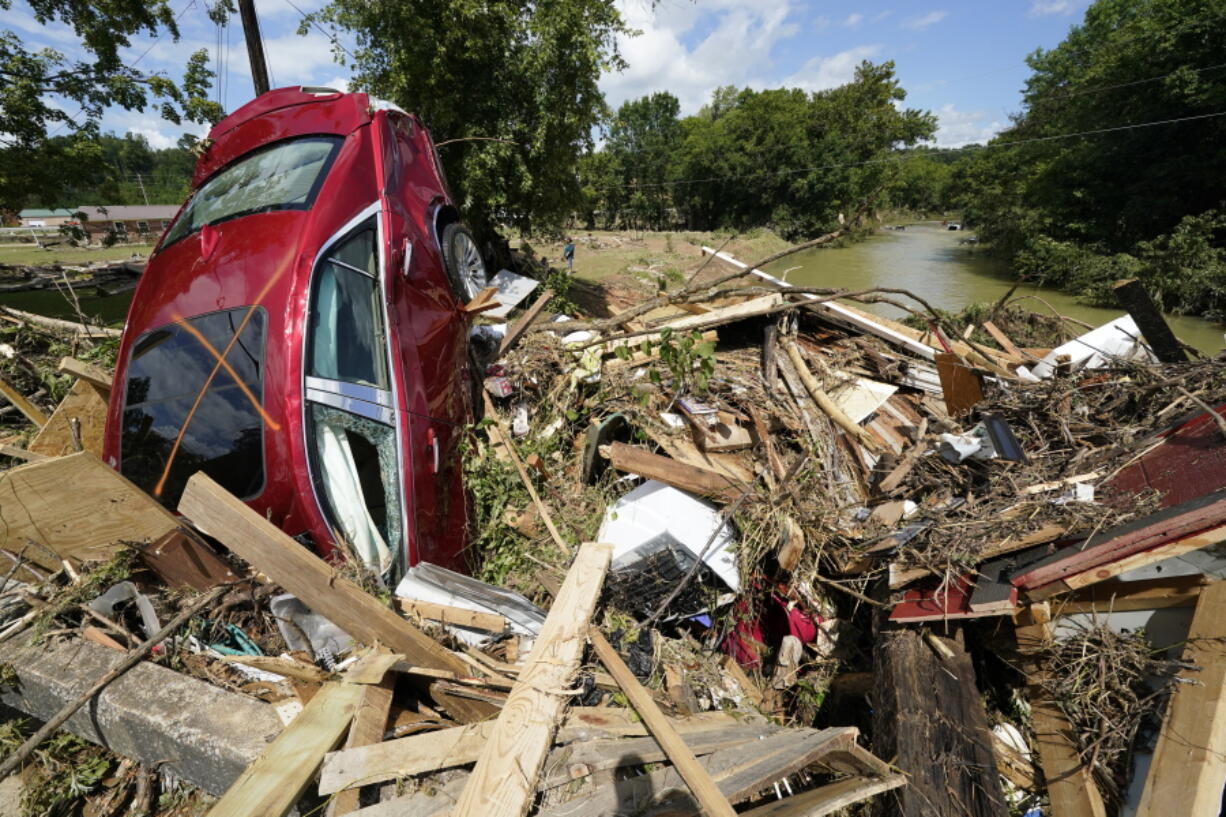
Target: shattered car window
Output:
[(184, 411), (285, 176), (346, 333), (355, 463)]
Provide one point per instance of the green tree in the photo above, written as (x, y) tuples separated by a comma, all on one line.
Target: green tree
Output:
[(642, 143), (38, 90), (522, 73)]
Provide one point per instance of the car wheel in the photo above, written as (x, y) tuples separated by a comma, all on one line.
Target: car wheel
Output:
[(465, 268)]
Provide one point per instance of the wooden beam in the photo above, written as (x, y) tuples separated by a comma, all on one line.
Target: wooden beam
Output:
[(227, 519), (367, 729), (713, 802), (484, 302), (490, 622), (1146, 594), (829, 798), (517, 329), (1070, 785), (32, 412), (690, 478), (21, 453), (1132, 296), (824, 402), (503, 783), (1005, 343), (273, 783), (94, 375), (1188, 770)]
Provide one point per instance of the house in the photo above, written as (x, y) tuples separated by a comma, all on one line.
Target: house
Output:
[(128, 221), (45, 218)]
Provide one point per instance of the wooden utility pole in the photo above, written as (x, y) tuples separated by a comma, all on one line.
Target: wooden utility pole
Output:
[(255, 45)]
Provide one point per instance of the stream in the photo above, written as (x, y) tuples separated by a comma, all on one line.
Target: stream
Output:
[(931, 261)]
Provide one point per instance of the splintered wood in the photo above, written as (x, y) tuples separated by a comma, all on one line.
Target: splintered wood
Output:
[(503, 782)]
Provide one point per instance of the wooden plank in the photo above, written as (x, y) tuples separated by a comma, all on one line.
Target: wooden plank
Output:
[(738, 774), (20, 453), (1179, 547), (491, 622), (32, 412), (273, 783), (727, 314), (517, 329), (712, 800), (499, 438), (1005, 343), (1070, 785), (682, 449), (484, 302), (84, 403), (503, 782), (829, 798), (1188, 770), (963, 388), (367, 729), (289, 667), (1110, 546), (1133, 296), (671, 472), (1012, 764), (1146, 594), (94, 375), (461, 745), (227, 519), (76, 507)]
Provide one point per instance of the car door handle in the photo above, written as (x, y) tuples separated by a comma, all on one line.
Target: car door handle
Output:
[(432, 442)]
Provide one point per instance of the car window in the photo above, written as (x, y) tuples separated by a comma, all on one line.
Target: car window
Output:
[(355, 465), (183, 412), (285, 176), (345, 325)]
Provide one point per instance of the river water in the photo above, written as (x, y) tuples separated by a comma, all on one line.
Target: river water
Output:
[(930, 261)]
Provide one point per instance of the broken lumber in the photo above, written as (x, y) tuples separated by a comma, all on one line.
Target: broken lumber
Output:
[(32, 412), (94, 375), (824, 402), (503, 782), (273, 783), (712, 800), (830, 798), (366, 729), (56, 323), (499, 438), (84, 403), (1188, 769), (962, 387), (1144, 594), (445, 613), (525, 321), (681, 475), (1070, 785), (1132, 296), (262, 544), (75, 507)]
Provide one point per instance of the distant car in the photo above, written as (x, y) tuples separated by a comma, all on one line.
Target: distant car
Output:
[(299, 332)]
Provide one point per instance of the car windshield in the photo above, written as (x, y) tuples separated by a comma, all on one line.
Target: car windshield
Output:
[(193, 402), (285, 176)]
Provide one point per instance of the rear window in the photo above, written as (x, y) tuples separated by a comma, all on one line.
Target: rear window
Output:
[(183, 412), (284, 176)]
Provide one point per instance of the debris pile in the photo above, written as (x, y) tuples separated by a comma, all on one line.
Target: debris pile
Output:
[(737, 547)]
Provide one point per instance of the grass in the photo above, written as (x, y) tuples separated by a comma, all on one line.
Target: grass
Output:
[(28, 255)]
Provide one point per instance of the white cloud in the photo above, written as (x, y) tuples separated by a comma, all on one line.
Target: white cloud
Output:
[(1043, 8), (820, 73), (293, 60), (660, 58), (877, 18), (853, 20), (957, 128), (156, 138), (923, 21)]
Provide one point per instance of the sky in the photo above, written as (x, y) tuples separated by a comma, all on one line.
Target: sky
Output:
[(964, 61)]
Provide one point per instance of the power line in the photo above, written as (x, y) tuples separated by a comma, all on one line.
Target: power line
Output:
[(331, 37), (899, 159)]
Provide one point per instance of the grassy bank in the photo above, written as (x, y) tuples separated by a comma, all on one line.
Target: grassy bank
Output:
[(31, 256)]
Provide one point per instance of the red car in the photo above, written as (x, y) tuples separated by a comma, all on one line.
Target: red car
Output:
[(298, 333)]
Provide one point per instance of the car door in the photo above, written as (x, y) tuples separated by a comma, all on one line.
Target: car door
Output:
[(431, 340), (353, 422)]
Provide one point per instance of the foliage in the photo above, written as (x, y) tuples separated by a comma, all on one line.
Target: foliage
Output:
[(1120, 200), (522, 73), (38, 90), (66, 768), (782, 158), (689, 358)]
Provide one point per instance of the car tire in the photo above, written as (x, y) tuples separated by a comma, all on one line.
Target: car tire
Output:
[(463, 262)]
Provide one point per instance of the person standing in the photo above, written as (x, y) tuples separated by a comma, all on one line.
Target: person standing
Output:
[(568, 252)]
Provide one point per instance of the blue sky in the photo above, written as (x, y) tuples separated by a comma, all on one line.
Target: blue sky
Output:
[(962, 60)]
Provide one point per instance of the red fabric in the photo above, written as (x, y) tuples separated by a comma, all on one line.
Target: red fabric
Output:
[(754, 636)]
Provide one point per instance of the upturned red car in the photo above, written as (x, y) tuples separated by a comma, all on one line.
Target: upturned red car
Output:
[(299, 332)]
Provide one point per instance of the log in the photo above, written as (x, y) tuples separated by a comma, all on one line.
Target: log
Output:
[(671, 472)]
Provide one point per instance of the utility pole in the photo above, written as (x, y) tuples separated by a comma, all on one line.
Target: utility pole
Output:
[(255, 46), (141, 183)]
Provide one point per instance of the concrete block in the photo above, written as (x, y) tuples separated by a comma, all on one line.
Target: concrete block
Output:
[(203, 734)]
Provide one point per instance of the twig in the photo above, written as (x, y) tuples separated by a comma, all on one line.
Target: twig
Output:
[(134, 657)]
